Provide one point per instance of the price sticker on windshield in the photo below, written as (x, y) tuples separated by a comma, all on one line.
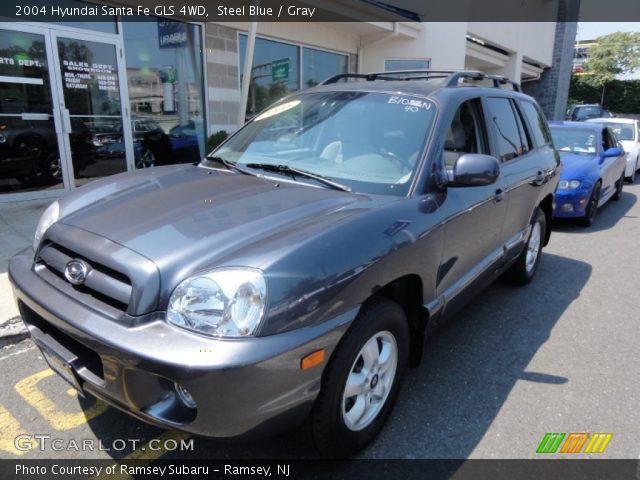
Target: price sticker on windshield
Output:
[(410, 104)]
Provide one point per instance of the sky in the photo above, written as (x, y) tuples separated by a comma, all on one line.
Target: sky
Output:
[(591, 30)]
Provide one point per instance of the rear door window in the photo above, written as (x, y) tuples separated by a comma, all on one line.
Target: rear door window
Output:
[(537, 124)]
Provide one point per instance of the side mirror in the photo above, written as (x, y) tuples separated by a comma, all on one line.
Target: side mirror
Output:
[(613, 152), (474, 170)]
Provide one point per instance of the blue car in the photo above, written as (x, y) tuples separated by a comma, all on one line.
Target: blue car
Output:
[(593, 164)]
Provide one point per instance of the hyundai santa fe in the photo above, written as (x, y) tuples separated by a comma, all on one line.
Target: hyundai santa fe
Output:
[(294, 274)]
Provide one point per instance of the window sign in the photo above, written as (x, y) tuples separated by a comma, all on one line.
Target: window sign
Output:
[(280, 70), (172, 34)]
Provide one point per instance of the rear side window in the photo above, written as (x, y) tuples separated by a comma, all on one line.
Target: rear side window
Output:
[(537, 124), (510, 138)]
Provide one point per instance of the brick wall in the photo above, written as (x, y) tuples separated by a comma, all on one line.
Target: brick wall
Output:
[(223, 80)]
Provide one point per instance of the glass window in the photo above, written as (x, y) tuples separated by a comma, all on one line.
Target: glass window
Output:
[(275, 72), (318, 65), (506, 127), (29, 156), (405, 64), (465, 134), (165, 78), (537, 124), (370, 142), (623, 131)]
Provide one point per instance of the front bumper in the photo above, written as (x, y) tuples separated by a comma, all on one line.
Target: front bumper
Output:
[(241, 387), (571, 203)]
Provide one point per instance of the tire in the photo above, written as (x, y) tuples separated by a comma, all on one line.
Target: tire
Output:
[(336, 428), (526, 265), (146, 159), (592, 207), (632, 178), (619, 186)]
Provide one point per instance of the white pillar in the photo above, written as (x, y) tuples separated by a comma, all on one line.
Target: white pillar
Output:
[(246, 77)]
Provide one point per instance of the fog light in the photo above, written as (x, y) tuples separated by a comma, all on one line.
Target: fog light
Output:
[(567, 207), (185, 396)]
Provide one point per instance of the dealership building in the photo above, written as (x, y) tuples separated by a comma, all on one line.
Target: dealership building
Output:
[(84, 100)]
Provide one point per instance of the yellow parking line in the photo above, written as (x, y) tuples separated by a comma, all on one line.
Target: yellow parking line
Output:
[(146, 454), (28, 389), (9, 430)]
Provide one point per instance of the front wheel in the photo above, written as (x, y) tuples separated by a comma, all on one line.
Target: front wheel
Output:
[(526, 265), (592, 207), (361, 382), (619, 186)]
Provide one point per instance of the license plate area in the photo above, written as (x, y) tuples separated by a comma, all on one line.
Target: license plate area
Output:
[(59, 365)]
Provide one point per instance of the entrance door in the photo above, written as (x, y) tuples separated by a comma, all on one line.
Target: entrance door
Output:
[(91, 102), (30, 153), (63, 115)]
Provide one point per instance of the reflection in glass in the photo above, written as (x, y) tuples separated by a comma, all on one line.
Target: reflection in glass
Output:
[(318, 65), (29, 157), (164, 74), (275, 72)]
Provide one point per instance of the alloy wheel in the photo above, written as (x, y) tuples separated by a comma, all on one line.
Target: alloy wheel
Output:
[(369, 381)]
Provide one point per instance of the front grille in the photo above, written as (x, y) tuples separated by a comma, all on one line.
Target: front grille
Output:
[(110, 289)]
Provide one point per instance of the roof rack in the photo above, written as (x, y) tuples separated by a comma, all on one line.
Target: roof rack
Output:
[(451, 78)]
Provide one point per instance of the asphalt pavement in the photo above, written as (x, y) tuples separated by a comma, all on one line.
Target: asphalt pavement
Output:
[(560, 355)]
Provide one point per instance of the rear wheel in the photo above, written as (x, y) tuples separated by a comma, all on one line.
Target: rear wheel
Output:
[(525, 267), (361, 382), (592, 207)]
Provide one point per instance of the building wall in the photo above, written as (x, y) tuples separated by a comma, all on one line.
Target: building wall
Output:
[(223, 78), (443, 43)]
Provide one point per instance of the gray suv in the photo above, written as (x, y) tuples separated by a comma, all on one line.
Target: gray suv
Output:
[(294, 274)]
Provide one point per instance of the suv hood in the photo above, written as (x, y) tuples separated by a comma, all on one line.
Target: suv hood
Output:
[(191, 216)]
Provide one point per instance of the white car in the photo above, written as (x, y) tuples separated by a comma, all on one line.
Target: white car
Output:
[(628, 132)]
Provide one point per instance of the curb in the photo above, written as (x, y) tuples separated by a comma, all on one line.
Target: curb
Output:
[(12, 331)]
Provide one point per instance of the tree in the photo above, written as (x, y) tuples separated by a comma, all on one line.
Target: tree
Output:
[(615, 54)]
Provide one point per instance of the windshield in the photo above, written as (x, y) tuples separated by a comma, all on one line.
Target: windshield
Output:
[(623, 131), (575, 140), (369, 142)]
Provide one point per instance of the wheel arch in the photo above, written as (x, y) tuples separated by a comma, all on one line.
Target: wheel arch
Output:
[(406, 291), (546, 205)]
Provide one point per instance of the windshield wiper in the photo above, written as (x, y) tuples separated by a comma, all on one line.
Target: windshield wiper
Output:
[(229, 164), (294, 171)]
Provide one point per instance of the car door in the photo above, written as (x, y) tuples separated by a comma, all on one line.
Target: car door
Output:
[(522, 142), (474, 215), (609, 171)]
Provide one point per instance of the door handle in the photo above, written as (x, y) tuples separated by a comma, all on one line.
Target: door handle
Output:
[(499, 195)]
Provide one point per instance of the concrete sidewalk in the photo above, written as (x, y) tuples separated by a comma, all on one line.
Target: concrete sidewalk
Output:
[(18, 222)]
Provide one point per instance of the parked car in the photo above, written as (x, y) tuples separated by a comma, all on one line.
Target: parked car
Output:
[(579, 113), (29, 149), (593, 169), (294, 274), (627, 130)]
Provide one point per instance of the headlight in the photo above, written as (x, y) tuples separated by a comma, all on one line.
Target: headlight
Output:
[(220, 303), (569, 184), (48, 218)]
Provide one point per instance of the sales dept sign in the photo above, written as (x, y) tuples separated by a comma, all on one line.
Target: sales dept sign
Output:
[(280, 70)]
